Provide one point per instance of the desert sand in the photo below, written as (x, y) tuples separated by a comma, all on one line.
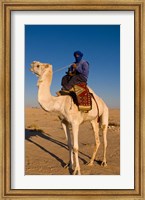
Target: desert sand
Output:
[(46, 151)]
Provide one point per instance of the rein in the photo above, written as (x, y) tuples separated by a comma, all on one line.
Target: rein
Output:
[(61, 68), (57, 70)]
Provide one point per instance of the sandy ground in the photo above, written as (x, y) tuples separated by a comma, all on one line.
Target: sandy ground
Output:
[(46, 152)]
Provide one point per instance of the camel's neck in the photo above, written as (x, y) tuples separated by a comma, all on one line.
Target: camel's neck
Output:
[(46, 100)]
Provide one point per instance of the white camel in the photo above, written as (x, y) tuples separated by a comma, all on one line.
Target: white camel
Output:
[(70, 115)]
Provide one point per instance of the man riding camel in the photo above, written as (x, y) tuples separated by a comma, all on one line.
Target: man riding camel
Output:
[(77, 73), (76, 82)]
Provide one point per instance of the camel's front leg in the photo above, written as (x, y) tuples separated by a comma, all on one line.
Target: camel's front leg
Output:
[(75, 129), (95, 126), (65, 126)]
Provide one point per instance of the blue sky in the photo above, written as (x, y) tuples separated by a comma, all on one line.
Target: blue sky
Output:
[(56, 44)]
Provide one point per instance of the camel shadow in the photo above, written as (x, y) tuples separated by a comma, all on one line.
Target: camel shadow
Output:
[(30, 133)]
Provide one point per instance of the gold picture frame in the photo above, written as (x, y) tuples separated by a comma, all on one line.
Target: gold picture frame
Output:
[(6, 6)]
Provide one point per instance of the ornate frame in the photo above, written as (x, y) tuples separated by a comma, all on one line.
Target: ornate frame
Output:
[(5, 99)]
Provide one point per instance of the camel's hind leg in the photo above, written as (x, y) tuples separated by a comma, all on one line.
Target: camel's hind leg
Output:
[(104, 127), (95, 126), (105, 117)]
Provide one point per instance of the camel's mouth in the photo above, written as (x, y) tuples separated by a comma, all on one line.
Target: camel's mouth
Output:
[(31, 69), (34, 72)]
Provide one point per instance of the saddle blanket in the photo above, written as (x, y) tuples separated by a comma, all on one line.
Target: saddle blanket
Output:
[(83, 97)]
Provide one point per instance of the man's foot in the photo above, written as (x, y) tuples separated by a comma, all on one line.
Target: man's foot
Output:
[(58, 93), (62, 92)]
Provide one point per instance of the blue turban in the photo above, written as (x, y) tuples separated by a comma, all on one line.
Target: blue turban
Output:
[(80, 56), (79, 53)]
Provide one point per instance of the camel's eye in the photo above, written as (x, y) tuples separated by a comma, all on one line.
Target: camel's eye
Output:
[(37, 66)]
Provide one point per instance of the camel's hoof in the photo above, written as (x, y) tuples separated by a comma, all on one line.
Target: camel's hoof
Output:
[(89, 164), (76, 172), (67, 165), (104, 164)]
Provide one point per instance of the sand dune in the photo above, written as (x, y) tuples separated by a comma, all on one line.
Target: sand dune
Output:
[(46, 152)]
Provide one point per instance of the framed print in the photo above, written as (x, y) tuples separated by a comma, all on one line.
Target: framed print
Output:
[(55, 58)]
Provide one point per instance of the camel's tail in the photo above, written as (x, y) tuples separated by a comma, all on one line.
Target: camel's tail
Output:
[(104, 118)]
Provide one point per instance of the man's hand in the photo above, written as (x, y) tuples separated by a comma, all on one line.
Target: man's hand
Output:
[(74, 66)]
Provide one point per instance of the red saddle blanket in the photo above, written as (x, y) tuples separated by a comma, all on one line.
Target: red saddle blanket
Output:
[(83, 97)]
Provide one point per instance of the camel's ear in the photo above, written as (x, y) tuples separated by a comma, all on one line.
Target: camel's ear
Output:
[(47, 65)]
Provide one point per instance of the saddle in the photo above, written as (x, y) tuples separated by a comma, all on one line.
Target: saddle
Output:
[(81, 96)]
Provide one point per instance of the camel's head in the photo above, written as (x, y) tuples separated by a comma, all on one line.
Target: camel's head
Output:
[(39, 68)]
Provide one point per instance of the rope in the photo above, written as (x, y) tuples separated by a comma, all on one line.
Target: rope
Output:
[(59, 69)]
